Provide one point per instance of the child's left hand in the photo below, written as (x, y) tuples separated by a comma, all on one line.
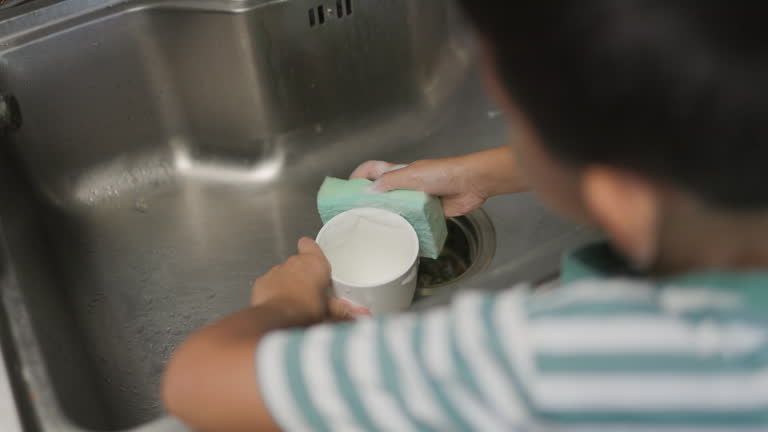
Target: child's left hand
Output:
[(300, 285)]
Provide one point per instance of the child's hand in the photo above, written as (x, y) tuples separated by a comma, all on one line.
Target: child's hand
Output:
[(219, 358), (300, 284), (463, 182), (446, 178)]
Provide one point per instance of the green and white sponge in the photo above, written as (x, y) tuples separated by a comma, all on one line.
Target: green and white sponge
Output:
[(423, 211)]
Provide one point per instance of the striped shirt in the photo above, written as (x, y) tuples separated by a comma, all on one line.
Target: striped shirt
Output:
[(603, 352)]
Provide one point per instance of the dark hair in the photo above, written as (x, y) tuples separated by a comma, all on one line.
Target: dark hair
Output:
[(674, 89)]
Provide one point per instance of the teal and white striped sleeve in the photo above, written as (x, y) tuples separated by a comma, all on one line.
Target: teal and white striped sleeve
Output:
[(593, 356)]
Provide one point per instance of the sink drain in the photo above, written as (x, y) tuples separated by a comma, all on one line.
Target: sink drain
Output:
[(468, 250)]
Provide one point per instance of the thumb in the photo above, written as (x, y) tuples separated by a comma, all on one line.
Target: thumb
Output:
[(398, 177), (373, 169), (341, 310), (309, 246)]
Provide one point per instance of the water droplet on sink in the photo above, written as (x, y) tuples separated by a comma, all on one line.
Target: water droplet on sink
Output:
[(141, 205), (492, 114)]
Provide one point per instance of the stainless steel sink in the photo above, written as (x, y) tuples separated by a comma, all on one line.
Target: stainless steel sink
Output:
[(170, 152)]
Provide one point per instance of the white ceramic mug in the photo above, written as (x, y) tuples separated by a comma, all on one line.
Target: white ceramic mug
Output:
[(374, 258)]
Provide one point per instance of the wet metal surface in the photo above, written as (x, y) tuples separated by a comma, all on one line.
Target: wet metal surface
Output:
[(171, 152)]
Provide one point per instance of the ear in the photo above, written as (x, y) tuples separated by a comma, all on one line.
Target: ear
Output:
[(627, 207)]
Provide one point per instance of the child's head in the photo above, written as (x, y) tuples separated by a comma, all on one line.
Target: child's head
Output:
[(649, 117)]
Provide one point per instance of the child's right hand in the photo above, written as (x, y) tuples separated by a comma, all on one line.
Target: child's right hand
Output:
[(463, 182), (300, 284)]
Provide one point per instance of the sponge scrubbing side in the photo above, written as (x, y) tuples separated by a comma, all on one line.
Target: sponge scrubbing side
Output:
[(423, 211)]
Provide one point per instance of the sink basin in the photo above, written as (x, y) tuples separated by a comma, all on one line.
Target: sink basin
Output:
[(170, 153)]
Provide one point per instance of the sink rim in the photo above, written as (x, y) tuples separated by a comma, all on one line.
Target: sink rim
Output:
[(35, 20)]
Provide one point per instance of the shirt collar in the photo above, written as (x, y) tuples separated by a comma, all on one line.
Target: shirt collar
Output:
[(601, 261)]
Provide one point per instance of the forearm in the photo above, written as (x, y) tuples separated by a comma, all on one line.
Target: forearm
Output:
[(496, 171), (204, 383)]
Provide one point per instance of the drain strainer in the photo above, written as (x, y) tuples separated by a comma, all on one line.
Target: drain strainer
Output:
[(468, 250)]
